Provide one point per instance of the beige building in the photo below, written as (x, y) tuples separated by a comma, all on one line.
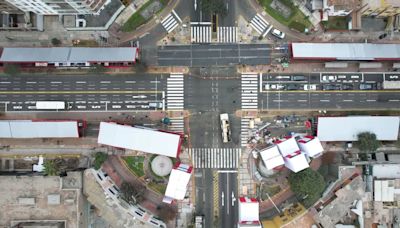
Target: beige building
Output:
[(380, 8)]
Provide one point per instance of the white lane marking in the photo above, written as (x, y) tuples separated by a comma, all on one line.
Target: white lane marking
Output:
[(347, 100), (5, 82), (31, 82), (154, 81), (105, 82), (130, 82), (324, 100), (371, 100), (394, 100), (80, 82), (56, 82), (302, 100)]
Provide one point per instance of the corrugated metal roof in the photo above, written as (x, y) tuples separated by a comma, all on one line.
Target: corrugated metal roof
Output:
[(347, 128), (345, 51), (133, 138), (69, 54), (38, 129)]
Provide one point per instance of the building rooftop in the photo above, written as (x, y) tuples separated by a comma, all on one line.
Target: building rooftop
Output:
[(248, 210), (389, 171), (38, 129), (271, 157), (178, 182), (310, 145)]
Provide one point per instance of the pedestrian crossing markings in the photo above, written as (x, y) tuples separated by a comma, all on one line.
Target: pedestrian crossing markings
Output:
[(249, 91), (175, 92), (215, 157)]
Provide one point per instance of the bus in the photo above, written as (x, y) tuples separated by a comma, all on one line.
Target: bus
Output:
[(51, 105), (225, 127)]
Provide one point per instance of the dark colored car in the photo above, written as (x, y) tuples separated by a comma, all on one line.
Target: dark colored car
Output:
[(347, 87), (292, 87), (330, 87), (367, 86), (298, 78)]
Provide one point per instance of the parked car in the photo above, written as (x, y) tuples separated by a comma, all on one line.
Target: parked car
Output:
[(347, 86), (278, 33), (330, 87), (274, 87), (393, 76), (139, 96), (329, 78), (367, 86), (292, 87), (155, 105), (310, 87), (298, 78)]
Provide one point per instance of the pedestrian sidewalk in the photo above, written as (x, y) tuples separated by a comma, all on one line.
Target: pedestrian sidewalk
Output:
[(245, 171), (129, 11)]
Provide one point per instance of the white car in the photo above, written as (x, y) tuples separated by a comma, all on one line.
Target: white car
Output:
[(17, 107), (310, 87), (274, 87), (329, 78), (393, 77), (116, 106), (139, 96), (81, 106), (278, 33)]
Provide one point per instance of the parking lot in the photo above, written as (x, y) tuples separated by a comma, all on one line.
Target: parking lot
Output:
[(326, 81)]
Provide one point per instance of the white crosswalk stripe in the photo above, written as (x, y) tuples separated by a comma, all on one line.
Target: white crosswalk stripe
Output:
[(200, 33), (250, 91), (259, 24), (175, 92), (226, 34), (170, 22), (215, 158), (177, 125), (244, 131)]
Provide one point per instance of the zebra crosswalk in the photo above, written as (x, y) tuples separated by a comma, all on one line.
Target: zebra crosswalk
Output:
[(171, 21), (249, 91), (175, 89), (226, 34), (259, 24), (215, 158), (201, 33), (244, 131), (177, 125)]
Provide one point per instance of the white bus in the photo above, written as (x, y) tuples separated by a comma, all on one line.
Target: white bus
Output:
[(51, 105), (225, 127)]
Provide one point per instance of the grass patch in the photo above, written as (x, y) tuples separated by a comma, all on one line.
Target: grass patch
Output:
[(135, 163), (160, 188), (336, 23), (297, 20), (137, 19), (86, 43)]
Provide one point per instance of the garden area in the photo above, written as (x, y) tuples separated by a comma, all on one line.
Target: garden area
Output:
[(135, 164), (286, 13), (144, 14), (336, 23)]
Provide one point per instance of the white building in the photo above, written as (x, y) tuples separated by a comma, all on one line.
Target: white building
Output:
[(294, 158), (39, 129), (311, 146), (271, 157), (249, 213), (60, 7), (177, 183)]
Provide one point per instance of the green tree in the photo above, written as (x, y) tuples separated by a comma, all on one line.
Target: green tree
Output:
[(12, 69), (55, 41), (51, 168), (167, 212), (307, 185), (132, 192), (367, 142), (214, 7), (99, 159)]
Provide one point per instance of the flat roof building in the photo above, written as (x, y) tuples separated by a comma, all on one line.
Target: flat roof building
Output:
[(39, 129), (271, 157), (311, 146), (345, 51), (249, 213), (177, 183), (330, 129), (140, 139), (294, 158), (69, 56)]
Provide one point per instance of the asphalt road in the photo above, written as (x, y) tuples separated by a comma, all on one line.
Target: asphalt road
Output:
[(213, 55), (83, 92), (204, 195), (228, 199)]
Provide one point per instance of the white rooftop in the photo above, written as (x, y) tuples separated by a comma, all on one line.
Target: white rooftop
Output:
[(384, 190), (296, 162), (271, 157), (390, 171), (311, 146), (139, 139), (345, 51), (287, 146), (38, 129), (347, 128), (177, 184), (248, 209)]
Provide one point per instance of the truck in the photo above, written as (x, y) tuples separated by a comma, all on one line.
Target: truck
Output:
[(225, 127), (51, 105), (199, 221)]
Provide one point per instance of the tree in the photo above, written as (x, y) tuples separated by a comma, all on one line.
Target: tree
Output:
[(214, 7), (307, 185), (55, 41), (12, 69), (167, 213), (51, 168), (367, 142), (132, 192), (99, 159)]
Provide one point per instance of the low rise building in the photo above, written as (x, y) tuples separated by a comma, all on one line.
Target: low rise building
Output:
[(177, 183), (294, 158), (311, 146), (340, 7), (39, 129), (380, 8), (248, 213), (271, 157)]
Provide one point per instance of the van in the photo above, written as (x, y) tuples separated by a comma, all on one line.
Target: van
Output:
[(155, 105), (355, 76), (298, 78)]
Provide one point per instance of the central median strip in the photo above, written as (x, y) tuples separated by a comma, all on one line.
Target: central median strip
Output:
[(83, 92)]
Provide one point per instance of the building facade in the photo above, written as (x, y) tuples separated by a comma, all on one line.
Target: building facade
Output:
[(59, 7), (6, 8)]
